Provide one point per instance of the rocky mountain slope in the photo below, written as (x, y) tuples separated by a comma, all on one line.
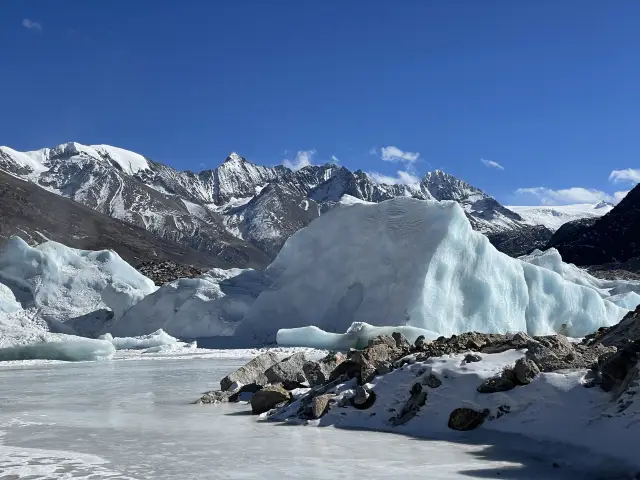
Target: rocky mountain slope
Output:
[(240, 213), (612, 238), (36, 214)]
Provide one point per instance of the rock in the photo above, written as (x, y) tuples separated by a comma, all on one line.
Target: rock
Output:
[(431, 381), (500, 383), (377, 357), (420, 342), (320, 405), (318, 373), (520, 340), (401, 341), (348, 369), (214, 397), (472, 358), (525, 371), (553, 353), (464, 419), (252, 372), (244, 392), (615, 367), (269, 397), (363, 399), (412, 406), (289, 372), (628, 330)]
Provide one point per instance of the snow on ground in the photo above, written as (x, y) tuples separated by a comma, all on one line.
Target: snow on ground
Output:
[(554, 217), (420, 264), (554, 408)]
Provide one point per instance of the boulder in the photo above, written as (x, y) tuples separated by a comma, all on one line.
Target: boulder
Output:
[(320, 405), (363, 399), (289, 372), (214, 397), (525, 370), (244, 392), (464, 419), (318, 373), (472, 358), (499, 383), (614, 368), (269, 397), (348, 369), (252, 372), (401, 341), (553, 353), (412, 406), (420, 342), (431, 380)]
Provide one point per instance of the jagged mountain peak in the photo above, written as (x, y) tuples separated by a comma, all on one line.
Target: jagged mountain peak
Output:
[(235, 158), (603, 204)]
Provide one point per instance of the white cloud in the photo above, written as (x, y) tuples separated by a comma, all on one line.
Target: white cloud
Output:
[(303, 159), (335, 159), (394, 154), (567, 196), (492, 164), (403, 178), (628, 175), (618, 196), (31, 25)]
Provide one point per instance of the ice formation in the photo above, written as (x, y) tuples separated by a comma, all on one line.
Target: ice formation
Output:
[(420, 264), (357, 336), (60, 347), (211, 305), (155, 339), (65, 282)]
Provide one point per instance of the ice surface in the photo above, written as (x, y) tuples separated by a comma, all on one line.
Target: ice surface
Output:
[(415, 263), (210, 305), (64, 282), (357, 336), (131, 419)]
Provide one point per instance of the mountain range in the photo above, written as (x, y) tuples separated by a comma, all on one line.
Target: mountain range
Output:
[(239, 213)]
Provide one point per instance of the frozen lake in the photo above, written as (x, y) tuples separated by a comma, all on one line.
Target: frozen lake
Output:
[(131, 418)]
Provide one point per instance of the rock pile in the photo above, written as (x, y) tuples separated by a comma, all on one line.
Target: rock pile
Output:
[(612, 357), (164, 272)]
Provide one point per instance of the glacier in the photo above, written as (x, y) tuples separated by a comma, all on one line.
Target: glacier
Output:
[(207, 306), (408, 262)]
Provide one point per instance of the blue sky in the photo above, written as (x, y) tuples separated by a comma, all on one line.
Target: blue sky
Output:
[(545, 92)]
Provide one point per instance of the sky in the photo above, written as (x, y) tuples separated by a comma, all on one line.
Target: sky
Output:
[(534, 102)]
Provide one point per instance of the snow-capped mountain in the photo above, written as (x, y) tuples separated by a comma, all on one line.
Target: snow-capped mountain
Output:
[(554, 217), (240, 212), (612, 238)]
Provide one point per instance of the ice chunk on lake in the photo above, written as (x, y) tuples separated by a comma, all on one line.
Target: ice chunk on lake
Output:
[(65, 347), (357, 336), (156, 339)]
